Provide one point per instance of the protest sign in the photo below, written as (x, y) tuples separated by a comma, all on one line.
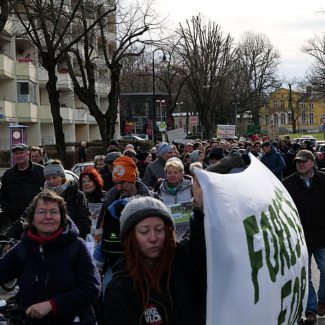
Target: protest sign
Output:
[(181, 213), (256, 252), (94, 209), (226, 131)]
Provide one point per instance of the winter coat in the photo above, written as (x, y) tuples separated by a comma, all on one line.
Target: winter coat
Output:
[(153, 172), (107, 178), (183, 194), (290, 164), (96, 196), (309, 202), (48, 273), (274, 162), (142, 166), (82, 154), (111, 247), (183, 302), (78, 211), (19, 188)]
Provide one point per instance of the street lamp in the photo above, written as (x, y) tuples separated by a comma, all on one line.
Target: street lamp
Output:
[(160, 110), (153, 121), (179, 113), (236, 105)]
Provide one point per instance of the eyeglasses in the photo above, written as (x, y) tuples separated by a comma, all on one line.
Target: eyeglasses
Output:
[(43, 213)]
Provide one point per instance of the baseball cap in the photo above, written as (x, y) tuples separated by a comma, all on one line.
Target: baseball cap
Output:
[(304, 155), (19, 146)]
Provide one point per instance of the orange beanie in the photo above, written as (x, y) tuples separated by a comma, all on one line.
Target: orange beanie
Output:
[(124, 170)]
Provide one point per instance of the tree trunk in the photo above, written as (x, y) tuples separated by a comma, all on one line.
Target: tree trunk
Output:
[(54, 96)]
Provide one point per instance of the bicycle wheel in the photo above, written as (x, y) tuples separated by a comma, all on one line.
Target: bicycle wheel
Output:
[(9, 286)]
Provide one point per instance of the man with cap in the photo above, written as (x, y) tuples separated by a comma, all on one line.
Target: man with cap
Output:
[(20, 183), (106, 171), (156, 169), (124, 176), (307, 189), (273, 160)]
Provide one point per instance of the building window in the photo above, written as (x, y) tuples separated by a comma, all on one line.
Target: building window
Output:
[(303, 105), (303, 118), (290, 118), (250, 122), (276, 119), (275, 104), (311, 118), (282, 104), (311, 105), (267, 121), (283, 119), (26, 92)]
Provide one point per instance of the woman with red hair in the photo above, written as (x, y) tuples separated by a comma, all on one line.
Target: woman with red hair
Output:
[(91, 183), (158, 281)]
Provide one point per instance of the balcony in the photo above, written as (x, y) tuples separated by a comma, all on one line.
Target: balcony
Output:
[(64, 81), (8, 109), (7, 66), (43, 76), (66, 114), (25, 69), (80, 115), (27, 112), (45, 114)]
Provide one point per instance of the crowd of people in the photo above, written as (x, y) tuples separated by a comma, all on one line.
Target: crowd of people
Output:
[(140, 272)]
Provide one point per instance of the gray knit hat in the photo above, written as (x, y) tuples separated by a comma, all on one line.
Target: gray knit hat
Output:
[(111, 156), (194, 156), (140, 208), (54, 170)]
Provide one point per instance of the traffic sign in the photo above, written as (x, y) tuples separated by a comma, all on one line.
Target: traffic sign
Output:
[(323, 120), (323, 127)]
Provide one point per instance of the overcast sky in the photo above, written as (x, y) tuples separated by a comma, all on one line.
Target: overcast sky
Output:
[(287, 23)]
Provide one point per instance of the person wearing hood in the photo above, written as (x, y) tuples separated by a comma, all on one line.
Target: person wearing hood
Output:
[(77, 204), (58, 281), (177, 186), (198, 155), (273, 160)]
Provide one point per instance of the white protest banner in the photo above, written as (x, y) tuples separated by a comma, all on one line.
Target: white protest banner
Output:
[(226, 131), (256, 252)]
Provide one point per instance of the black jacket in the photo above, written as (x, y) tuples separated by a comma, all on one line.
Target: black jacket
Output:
[(82, 154), (50, 274), (182, 303), (19, 188), (78, 211), (113, 249), (309, 202)]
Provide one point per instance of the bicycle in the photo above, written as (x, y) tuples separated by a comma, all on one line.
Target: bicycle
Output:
[(5, 245), (10, 310)]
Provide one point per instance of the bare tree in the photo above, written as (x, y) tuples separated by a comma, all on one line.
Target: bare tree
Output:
[(258, 64), (7, 8), (48, 25), (132, 35), (315, 47)]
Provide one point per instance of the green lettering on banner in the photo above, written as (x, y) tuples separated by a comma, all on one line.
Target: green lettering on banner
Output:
[(256, 258), (285, 292), (278, 226), (268, 230)]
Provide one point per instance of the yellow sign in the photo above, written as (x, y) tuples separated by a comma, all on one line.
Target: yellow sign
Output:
[(162, 125)]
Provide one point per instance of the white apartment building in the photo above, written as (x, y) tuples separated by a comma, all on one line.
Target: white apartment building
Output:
[(24, 98)]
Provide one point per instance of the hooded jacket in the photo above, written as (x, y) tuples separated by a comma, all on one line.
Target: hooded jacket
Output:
[(274, 162), (47, 273), (183, 194), (183, 302)]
